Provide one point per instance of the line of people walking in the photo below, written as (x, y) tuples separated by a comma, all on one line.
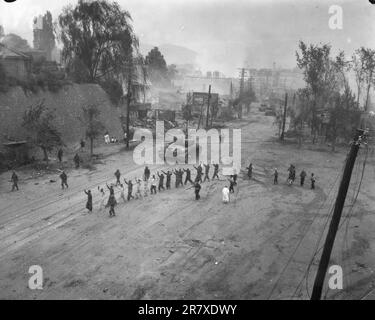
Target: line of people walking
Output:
[(157, 182)]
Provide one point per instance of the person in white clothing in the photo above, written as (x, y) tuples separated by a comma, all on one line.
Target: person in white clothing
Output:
[(225, 194)]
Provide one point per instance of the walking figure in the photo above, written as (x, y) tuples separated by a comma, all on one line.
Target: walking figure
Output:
[(122, 192), (197, 189), (235, 176), (89, 200), (225, 193), (275, 177), (146, 188), (216, 172), (14, 179), (199, 173), (312, 181), (147, 174), (64, 180), (130, 189), (231, 184), (112, 203), (77, 160), (161, 181), (102, 193), (303, 176), (188, 176), (153, 185), (179, 176), (292, 174), (60, 155), (118, 176), (138, 187), (250, 170), (206, 172), (168, 174), (110, 188)]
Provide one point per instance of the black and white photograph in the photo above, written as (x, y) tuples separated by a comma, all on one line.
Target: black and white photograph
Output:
[(189, 150)]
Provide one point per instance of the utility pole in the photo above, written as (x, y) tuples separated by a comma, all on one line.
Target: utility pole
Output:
[(208, 106), (340, 201), (284, 117)]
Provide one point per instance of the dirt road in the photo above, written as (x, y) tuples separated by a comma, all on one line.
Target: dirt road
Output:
[(170, 246)]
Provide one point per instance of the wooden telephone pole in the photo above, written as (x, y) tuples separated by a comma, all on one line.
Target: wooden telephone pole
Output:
[(284, 117), (333, 227)]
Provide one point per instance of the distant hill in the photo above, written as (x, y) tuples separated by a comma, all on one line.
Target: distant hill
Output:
[(173, 54)]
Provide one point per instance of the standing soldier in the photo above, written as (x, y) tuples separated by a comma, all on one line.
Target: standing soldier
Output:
[(14, 179), (168, 174), (147, 174), (153, 185), (216, 171), (64, 180), (60, 154), (130, 189), (89, 200), (188, 176), (206, 172), (303, 176), (275, 176), (197, 189), (250, 170), (77, 160), (161, 181), (118, 176), (312, 181)]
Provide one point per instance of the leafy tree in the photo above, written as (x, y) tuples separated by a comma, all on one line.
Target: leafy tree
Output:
[(359, 71), (320, 74), (38, 120), (157, 67), (365, 70), (344, 116), (97, 37), (94, 127), (303, 103)]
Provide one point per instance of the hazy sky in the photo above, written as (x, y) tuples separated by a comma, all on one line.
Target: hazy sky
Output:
[(226, 34)]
